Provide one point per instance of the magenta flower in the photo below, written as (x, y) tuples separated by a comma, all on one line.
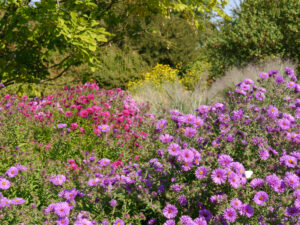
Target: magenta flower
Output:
[(174, 149), (234, 180), (201, 172), (170, 211), (230, 214), (272, 111), (236, 203), (247, 210), (189, 118), (17, 201), (4, 184), (166, 138), (263, 75), (284, 124), (119, 222), (62, 209), (57, 179), (292, 180), (104, 162), (290, 84), (225, 160), (12, 171), (68, 113), (219, 176), (62, 221), (190, 131), (198, 122), (260, 198), (161, 124), (93, 182), (187, 155), (245, 87)]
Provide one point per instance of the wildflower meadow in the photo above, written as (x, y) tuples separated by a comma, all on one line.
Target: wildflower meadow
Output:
[(85, 155)]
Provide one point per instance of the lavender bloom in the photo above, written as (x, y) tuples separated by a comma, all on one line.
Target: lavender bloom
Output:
[(182, 200), (190, 131), (292, 180), (17, 201), (260, 197), (113, 203), (187, 155), (119, 222), (225, 160), (12, 172), (284, 124), (236, 203), (219, 176), (57, 179), (289, 71), (170, 211), (4, 184), (166, 138), (104, 128), (247, 210), (161, 124), (263, 75), (174, 149), (62, 221), (201, 172), (169, 222), (230, 214), (279, 79), (62, 209), (61, 125)]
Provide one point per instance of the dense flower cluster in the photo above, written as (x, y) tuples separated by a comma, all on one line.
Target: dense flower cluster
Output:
[(233, 162)]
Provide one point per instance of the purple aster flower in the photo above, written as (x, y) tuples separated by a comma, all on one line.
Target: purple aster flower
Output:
[(186, 220), (297, 194), (12, 172), (264, 154), (190, 131), (113, 203), (290, 84), (234, 180), (260, 198), (263, 75), (83, 222), (259, 95), (119, 222), (104, 128), (4, 202), (245, 87), (161, 124), (292, 180), (289, 71), (182, 200), (187, 155), (284, 124), (225, 160), (170, 211), (201, 172), (62, 221), (236, 203), (176, 187), (17, 201), (289, 161), (4, 184), (200, 221), (169, 222), (230, 214), (247, 210), (152, 221), (273, 180), (292, 211), (166, 138), (198, 122), (62, 209), (206, 214), (61, 125), (174, 149), (189, 118), (219, 176), (103, 162), (94, 182), (57, 179), (279, 79), (272, 111)]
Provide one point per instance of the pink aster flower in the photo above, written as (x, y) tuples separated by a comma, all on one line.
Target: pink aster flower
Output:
[(57, 179), (201, 172), (292, 180), (170, 211), (190, 131), (236, 203), (284, 124), (263, 75), (62, 209), (62, 221), (247, 210), (260, 198), (187, 155), (12, 171), (104, 128), (93, 182), (230, 214), (166, 138), (174, 149), (219, 176), (4, 184), (17, 201)]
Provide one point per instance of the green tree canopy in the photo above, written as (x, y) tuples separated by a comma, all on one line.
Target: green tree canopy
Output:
[(261, 28)]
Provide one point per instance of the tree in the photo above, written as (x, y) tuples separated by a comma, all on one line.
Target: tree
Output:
[(260, 29), (30, 35)]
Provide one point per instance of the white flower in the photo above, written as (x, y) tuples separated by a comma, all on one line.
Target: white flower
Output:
[(248, 174)]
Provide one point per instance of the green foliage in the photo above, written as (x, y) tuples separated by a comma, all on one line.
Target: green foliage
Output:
[(262, 28), (118, 67), (30, 35)]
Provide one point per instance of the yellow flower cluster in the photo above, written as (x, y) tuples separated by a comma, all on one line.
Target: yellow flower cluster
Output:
[(157, 76)]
